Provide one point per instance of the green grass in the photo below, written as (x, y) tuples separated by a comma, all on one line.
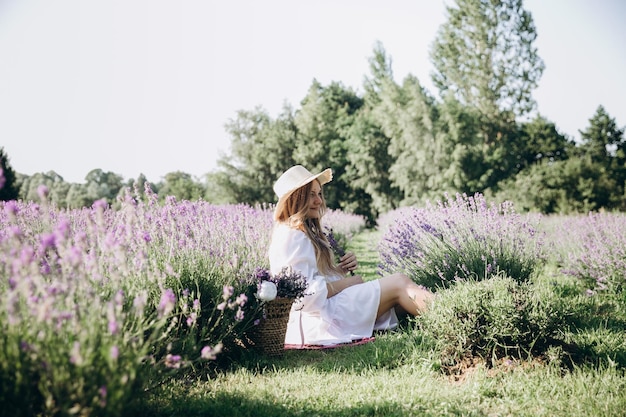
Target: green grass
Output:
[(365, 246), (398, 375)]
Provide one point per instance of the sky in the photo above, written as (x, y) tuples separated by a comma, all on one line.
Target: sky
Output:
[(147, 86)]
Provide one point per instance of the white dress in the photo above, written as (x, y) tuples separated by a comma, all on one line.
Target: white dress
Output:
[(317, 320)]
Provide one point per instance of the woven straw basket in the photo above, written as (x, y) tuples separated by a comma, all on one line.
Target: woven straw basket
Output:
[(269, 334)]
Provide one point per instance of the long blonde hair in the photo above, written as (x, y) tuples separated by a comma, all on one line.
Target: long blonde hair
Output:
[(292, 210)]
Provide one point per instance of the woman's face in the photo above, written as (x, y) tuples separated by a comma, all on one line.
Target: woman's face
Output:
[(315, 200)]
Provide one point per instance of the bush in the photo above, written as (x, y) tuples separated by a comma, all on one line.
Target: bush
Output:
[(597, 253), (459, 239), (99, 305), (495, 318)]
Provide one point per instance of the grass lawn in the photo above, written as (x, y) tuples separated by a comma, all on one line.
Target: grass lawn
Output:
[(396, 375)]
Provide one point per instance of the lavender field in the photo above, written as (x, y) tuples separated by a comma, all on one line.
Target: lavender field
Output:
[(100, 306)]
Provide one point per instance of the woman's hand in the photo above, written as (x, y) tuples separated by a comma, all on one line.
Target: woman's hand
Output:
[(348, 262)]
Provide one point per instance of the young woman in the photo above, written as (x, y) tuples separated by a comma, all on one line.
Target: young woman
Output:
[(337, 307)]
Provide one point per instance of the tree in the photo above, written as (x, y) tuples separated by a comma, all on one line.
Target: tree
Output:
[(103, 184), (573, 185), (485, 59), (322, 123), (57, 188), (413, 142), (602, 140), (368, 158), (540, 140), (182, 186), (77, 197), (484, 56), (261, 149), (8, 187)]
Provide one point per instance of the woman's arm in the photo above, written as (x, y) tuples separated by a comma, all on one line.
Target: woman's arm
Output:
[(336, 287)]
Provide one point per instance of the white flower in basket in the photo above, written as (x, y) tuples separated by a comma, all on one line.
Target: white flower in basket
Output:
[(267, 291)]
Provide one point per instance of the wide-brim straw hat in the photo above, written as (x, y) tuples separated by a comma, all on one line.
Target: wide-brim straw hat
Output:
[(298, 176)]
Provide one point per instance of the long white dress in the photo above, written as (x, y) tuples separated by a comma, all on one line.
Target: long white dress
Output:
[(317, 320)]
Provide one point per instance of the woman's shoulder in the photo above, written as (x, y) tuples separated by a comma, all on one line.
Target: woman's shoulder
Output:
[(283, 229), (284, 234)]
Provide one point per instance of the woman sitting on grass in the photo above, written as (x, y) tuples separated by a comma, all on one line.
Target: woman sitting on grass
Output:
[(337, 307)]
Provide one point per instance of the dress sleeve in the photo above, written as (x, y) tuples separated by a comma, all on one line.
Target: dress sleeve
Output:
[(291, 247)]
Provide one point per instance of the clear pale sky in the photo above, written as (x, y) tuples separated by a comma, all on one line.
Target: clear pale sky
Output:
[(146, 86)]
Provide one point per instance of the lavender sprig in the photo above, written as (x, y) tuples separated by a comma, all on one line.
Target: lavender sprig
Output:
[(334, 245)]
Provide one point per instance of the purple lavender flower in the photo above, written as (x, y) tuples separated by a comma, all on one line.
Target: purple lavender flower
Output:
[(103, 396), (173, 361), (334, 245), (167, 303), (210, 353), (114, 353)]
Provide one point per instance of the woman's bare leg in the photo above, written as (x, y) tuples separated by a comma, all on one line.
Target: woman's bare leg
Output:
[(399, 290)]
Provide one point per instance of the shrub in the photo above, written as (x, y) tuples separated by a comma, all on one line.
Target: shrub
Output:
[(459, 239), (98, 305), (597, 252), (497, 317)]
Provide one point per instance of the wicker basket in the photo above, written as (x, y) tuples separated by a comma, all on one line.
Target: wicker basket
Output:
[(269, 334)]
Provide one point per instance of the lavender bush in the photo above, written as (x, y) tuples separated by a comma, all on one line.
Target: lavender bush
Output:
[(499, 318), (596, 250), (344, 225), (98, 305), (458, 239)]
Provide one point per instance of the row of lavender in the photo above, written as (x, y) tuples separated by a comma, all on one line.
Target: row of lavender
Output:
[(98, 304), (503, 281), (465, 237)]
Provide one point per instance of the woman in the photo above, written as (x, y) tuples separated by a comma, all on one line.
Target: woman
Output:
[(337, 307)]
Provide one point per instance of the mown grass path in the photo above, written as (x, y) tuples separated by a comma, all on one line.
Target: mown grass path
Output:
[(365, 247)]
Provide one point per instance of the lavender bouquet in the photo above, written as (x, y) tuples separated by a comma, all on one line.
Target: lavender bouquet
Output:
[(285, 284)]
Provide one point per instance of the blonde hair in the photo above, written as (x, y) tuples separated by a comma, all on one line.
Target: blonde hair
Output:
[(292, 210)]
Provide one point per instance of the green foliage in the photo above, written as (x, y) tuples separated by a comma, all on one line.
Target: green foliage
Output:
[(102, 185), (8, 187), (322, 123), (484, 56), (182, 186), (460, 239), (261, 149), (496, 318), (604, 143), (574, 185), (58, 189), (541, 141)]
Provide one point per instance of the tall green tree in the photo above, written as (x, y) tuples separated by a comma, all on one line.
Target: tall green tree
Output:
[(8, 186), (323, 122), (484, 55), (603, 142), (78, 197), (414, 144), (369, 161)]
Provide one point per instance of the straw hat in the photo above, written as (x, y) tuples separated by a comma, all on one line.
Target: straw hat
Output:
[(297, 176)]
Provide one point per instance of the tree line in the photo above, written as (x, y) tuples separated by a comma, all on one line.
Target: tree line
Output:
[(396, 143)]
